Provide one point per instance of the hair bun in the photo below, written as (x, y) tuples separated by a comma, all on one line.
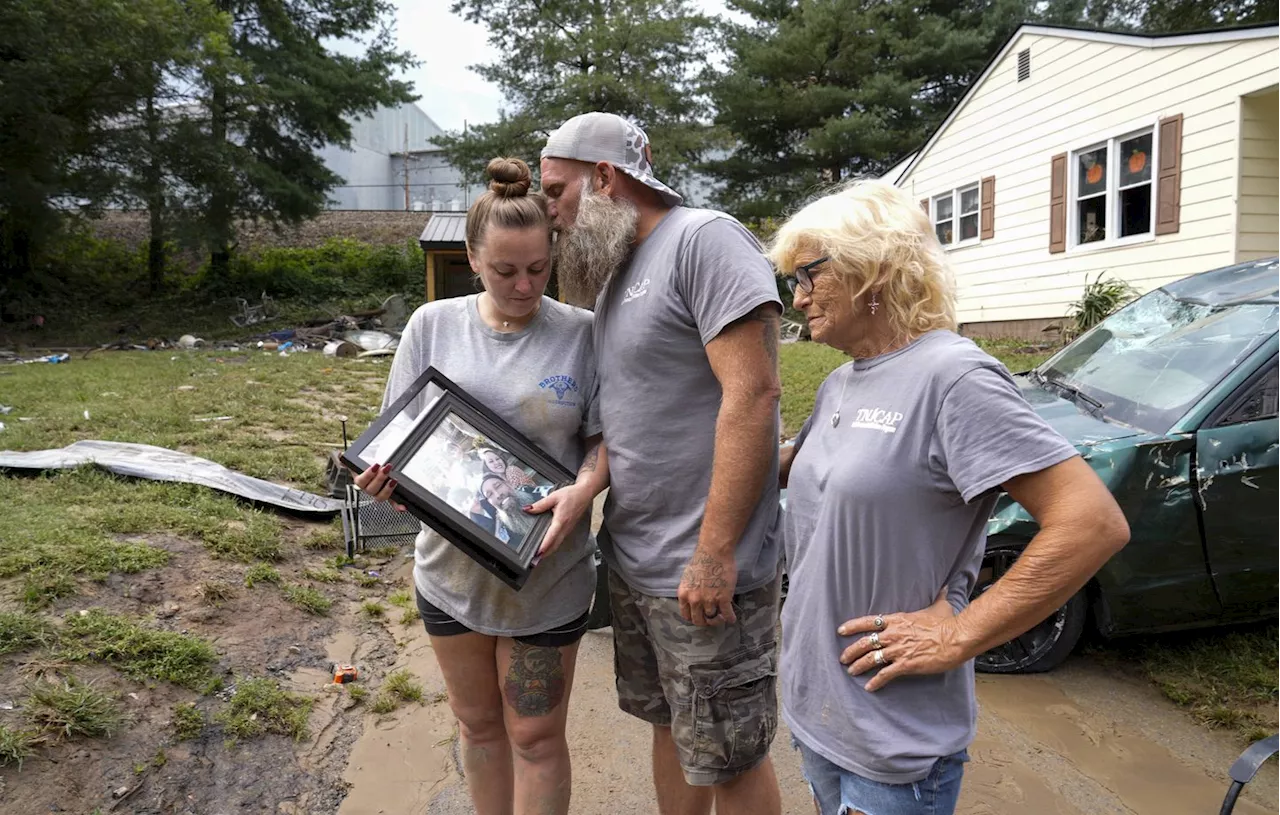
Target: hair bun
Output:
[(510, 177)]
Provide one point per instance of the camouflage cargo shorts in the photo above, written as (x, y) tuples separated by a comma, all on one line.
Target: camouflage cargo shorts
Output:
[(714, 686)]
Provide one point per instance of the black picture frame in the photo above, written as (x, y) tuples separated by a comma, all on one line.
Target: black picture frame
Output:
[(410, 445)]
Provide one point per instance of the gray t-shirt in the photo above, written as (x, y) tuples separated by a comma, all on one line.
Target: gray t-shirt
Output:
[(694, 274), (883, 510), (542, 381)]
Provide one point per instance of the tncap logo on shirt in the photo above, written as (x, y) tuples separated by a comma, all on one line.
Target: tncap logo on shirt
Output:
[(561, 384), (886, 421), (637, 291)]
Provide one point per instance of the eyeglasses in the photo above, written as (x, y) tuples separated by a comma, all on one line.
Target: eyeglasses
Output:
[(803, 277)]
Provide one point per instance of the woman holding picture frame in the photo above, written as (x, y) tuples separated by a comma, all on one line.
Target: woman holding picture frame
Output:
[(508, 657)]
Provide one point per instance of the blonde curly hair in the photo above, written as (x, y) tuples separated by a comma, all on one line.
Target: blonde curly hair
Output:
[(877, 238)]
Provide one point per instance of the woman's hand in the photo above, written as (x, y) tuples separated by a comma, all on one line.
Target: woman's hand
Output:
[(378, 485), (918, 642), (567, 506)]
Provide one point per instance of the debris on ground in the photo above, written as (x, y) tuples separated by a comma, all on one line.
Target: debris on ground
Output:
[(372, 340), (161, 464), (341, 348), (5, 410), (50, 358), (339, 335)]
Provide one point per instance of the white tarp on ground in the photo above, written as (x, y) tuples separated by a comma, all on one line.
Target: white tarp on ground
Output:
[(161, 464)]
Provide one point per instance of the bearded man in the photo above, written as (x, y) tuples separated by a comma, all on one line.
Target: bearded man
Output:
[(686, 342), (513, 522)]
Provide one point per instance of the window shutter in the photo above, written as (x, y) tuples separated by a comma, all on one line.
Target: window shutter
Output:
[(1169, 177), (1058, 203), (987, 218), (924, 205)]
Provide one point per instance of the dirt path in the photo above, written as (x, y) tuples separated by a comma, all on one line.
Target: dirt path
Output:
[(1081, 741)]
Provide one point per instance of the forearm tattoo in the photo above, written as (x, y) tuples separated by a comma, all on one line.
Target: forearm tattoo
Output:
[(535, 681), (592, 460)]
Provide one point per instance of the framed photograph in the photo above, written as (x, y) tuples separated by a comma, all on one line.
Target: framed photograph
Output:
[(465, 473)]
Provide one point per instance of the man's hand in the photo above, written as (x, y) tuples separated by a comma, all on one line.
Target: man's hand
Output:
[(567, 506), (377, 484), (706, 589)]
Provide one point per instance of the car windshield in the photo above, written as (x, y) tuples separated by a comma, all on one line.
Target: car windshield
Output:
[(1148, 363)]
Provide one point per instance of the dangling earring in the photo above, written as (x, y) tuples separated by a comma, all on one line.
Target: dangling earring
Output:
[(875, 302)]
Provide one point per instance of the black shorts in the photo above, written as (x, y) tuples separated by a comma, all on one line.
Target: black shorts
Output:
[(440, 624)]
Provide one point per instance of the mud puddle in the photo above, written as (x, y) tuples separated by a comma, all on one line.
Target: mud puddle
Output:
[(1080, 741)]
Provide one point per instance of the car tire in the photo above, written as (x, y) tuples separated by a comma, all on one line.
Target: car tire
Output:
[(1046, 645), (600, 616)]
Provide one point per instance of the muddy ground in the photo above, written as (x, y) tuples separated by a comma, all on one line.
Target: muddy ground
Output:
[(1081, 741)]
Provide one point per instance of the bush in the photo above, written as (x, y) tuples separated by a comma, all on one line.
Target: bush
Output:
[(339, 268)]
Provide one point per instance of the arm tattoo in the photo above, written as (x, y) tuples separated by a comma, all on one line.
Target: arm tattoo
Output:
[(535, 681), (704, 572), (591, 461), (767, 316)]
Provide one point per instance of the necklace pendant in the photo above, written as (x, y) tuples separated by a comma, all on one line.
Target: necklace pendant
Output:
[(835, 418)]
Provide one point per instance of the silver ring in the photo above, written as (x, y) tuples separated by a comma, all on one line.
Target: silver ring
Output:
[(711, 615), (874, 639), (878, 622), (878, 658)]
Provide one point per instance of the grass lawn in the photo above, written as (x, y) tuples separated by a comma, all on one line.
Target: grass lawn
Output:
[(110, 584)]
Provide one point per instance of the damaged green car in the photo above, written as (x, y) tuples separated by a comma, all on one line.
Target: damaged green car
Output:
[(1172, 400)]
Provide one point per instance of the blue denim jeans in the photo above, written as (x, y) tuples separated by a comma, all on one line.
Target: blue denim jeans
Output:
[(838, 791)]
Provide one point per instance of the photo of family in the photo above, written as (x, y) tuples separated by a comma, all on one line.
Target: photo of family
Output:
[(479, 479)]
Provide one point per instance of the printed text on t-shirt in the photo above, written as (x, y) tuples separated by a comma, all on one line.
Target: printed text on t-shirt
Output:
[(886, 421)]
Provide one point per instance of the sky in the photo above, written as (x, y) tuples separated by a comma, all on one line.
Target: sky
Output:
[(445, 44)]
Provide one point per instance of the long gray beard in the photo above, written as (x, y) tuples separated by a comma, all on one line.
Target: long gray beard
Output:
[(587, 254), (517, 521)]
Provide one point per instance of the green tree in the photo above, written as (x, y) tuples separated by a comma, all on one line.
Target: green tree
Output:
[(642, 59), (280, 95), (64, 86), (816, 91), (158, 142), (1167, 16)]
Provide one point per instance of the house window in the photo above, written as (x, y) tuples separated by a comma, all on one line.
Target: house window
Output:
[(955, 216), (1112, 190)]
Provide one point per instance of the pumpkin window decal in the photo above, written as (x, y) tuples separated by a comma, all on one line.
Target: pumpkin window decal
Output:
[(1093, 171), (1137, 160)]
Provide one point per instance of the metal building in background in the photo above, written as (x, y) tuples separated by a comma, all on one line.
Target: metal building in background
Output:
[(394, 164)]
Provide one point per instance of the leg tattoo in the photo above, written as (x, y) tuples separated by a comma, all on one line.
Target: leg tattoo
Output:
[(535, 681)]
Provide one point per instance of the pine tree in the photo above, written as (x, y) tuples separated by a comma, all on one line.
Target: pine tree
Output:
[(823, 90), (642, 59), (280, 96)]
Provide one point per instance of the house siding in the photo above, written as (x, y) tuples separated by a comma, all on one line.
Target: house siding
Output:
[(1258, 236), (1083, 91)]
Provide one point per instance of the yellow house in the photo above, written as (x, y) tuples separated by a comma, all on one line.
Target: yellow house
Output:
[(1077, 153)]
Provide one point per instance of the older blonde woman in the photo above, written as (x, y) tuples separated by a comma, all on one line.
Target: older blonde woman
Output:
[(890, 484)]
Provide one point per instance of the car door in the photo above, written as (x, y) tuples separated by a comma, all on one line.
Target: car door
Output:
[(1236, 496)]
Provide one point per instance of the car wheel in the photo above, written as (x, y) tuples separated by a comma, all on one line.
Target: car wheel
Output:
[(600, 616), (1045, 646)]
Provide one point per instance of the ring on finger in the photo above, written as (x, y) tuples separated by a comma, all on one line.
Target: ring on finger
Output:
[(712, 614), (874, 639), (878, 622), (878, 659)]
